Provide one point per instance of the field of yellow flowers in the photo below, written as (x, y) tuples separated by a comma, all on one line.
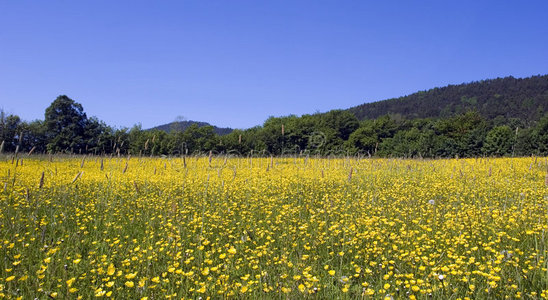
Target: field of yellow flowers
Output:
[(173, 228)]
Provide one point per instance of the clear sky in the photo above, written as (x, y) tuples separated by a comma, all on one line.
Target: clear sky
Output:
[(234, 63)]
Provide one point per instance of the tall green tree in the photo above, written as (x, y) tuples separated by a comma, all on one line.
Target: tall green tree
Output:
[(65, 122)]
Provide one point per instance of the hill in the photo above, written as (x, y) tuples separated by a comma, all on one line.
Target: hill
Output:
[(183, 125), (522, 98)]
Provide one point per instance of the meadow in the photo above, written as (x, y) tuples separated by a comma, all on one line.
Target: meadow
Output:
[(281, 228)]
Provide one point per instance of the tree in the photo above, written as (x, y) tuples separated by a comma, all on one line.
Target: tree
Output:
[(540, 136), (10, 130), (66, 123), (97, 136), (525, 142), (462, 135), (34, 137), (371, 133), (499, 141), (337, 126), (364, 139)]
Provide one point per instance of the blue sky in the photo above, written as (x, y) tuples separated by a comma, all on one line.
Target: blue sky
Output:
[(234, 63)]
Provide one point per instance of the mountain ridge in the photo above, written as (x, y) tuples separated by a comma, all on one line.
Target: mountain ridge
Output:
[(507, 97), (183, 125)]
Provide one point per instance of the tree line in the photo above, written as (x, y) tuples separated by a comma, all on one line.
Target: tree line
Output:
[(67, 129)]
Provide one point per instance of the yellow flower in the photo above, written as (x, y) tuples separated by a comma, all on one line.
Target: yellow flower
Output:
[(99, 292), (142, 282), (232, 250), (10, 278), (129, 284), (70, 281), (110, 270), (332, 272)]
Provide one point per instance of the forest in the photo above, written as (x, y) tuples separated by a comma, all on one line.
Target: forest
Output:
[(455, 121)]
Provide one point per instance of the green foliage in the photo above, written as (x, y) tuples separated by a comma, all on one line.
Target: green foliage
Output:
[(183, 125), (540, 136), (34, 136), (499, 141), (9, 131)]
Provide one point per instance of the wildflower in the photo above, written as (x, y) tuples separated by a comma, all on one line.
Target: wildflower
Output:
[(70, 281), (110, 270)]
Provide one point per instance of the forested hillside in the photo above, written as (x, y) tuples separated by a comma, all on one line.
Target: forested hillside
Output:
[(525, 99), (184, 125)]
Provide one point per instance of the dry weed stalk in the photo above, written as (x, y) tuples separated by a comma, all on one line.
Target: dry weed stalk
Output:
[(31, 150), (77, 176), (350, 174), (41, 184)]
